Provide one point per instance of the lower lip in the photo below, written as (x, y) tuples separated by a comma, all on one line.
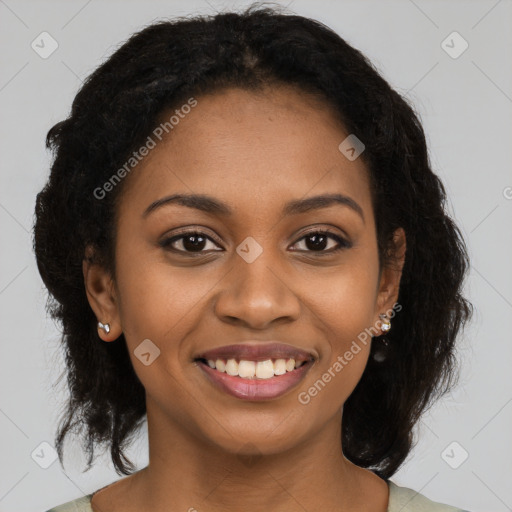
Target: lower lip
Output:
[(255, 389)]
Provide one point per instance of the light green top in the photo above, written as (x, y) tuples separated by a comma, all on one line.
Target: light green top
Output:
[(401, 499)]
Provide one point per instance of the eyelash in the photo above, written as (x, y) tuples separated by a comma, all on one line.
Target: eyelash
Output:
[(343, 244)]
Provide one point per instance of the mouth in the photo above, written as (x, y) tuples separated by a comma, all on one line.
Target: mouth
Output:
[(255, 372)]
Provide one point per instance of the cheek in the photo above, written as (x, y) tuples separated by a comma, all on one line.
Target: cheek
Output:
[(345, 298), (344, 307), (344, 311), (157, 301), (160, 302)]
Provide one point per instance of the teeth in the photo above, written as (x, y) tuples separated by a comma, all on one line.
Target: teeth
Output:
[(265, 369), (251, 369), (232, 367), (280, 367), (246, 369), (220, 365)]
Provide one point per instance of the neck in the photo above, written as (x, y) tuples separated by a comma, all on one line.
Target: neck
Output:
[(186, 472)]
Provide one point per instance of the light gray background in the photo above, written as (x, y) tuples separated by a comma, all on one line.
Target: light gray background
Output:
[(466, 107)]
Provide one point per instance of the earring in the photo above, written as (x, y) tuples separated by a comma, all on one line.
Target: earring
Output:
[(380, 351), (386, 324), (105, 327)]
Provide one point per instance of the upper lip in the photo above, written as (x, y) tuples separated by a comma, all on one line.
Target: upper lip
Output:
[(256, 352)]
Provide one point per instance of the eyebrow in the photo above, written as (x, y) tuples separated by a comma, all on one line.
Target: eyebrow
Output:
[(213, 206)]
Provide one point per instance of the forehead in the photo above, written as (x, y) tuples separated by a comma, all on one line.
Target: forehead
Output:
[(250, 148)]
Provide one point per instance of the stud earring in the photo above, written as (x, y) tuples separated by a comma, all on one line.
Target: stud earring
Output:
[(386, 324), (105, 327)]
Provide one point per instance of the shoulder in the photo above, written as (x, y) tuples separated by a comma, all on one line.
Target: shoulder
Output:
[(82, 504), (403, 499)]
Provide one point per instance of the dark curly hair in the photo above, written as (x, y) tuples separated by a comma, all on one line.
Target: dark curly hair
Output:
[(116, 109)]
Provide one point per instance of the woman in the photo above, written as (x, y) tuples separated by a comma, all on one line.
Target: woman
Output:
[(244, 240)]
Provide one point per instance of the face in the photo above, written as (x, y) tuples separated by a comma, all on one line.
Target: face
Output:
[(264, 266)]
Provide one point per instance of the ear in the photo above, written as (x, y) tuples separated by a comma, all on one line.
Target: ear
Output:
[(389, 283), (101, 295)]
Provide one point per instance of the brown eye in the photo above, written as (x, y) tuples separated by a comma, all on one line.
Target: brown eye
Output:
[(192, 242), (318, 241)]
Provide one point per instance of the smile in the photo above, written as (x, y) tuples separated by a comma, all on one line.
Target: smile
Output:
[(254, 380)]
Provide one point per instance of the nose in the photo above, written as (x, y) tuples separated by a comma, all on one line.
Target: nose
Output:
[(257, 295)]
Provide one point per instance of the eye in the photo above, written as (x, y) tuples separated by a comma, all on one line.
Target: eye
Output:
[(196, 242), (188, 242), (318, 241)]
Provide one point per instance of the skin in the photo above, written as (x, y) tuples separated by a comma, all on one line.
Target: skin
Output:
[(254, 152)]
